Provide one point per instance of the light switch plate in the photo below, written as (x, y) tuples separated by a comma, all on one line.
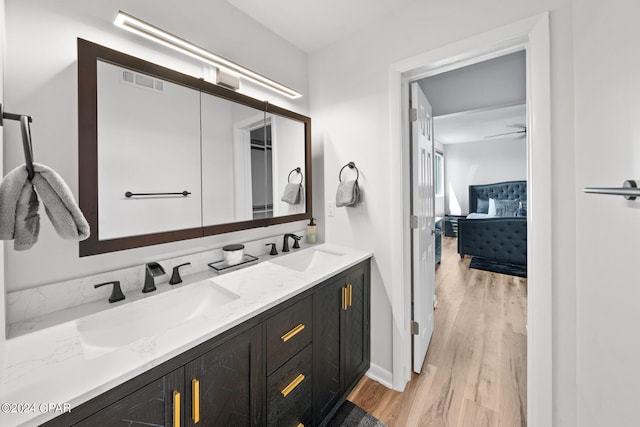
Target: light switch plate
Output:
[(331, 208)]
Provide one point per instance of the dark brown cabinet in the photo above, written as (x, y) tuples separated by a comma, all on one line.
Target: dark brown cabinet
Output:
[(341, 319), (292, 365), (156, 404), (223, 386)]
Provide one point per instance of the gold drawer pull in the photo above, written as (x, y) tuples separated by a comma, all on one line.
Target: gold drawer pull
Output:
[(176, 408), (344, 298), (195, 400), (350, 289), (288, 389), (292, 333)]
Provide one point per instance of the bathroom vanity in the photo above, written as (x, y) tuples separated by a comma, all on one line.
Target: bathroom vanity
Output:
[(284, 347)]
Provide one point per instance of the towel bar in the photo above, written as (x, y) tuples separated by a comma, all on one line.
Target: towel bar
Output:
[(26, 137), (629, 190), (129, 194)]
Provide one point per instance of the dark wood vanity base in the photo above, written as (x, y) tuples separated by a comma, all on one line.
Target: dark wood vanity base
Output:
[(292, 365)]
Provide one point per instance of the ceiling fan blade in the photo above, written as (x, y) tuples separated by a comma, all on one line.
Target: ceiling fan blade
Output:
[(507, 133)]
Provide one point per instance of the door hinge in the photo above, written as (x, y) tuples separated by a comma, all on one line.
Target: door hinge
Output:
[(415, 328), (413, 114), (413, 221)]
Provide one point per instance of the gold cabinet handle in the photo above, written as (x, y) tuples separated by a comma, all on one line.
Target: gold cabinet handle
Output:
[(195, 400), (292, 333), (344, 298), (350, 288), (176, 408), (288, 389)]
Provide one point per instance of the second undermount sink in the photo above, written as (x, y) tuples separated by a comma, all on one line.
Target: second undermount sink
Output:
[(117, 327), (308, 259)]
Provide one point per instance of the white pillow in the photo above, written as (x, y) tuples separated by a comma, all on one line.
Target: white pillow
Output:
[(492, 207)]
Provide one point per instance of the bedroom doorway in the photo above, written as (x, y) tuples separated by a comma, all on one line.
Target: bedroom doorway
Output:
[(479, 332), (532, 35)]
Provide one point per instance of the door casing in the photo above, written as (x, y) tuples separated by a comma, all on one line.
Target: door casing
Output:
[(532, 35)]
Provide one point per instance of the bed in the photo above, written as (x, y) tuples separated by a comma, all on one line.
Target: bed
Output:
[(500, 236)]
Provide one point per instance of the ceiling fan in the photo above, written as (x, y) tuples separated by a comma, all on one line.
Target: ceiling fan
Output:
[(522, 132)]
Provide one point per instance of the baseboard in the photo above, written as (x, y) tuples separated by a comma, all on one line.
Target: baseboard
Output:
[(380, 375)]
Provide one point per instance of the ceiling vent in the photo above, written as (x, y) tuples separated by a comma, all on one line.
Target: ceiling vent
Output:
[(142, 81)]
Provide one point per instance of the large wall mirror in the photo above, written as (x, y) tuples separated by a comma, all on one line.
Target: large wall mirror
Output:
[(164, 156)]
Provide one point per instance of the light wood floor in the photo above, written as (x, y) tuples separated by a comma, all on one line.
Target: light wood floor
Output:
[(475, 371)]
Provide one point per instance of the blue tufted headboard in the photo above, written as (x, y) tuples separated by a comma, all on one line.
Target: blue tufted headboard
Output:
[(510, 190)]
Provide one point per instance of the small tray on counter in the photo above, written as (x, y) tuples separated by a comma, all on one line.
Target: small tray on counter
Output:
[(223, 265)]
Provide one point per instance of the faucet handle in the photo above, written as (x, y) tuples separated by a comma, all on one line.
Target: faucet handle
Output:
[(296, 243), (175, 275), (273, 248), (116, 292)]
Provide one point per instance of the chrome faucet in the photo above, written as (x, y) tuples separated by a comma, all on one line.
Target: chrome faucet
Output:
[(285, 243), (151, 270)]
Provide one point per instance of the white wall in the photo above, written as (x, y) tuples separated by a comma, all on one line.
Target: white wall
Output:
[(41, 80), (607, 134), (350, 106), (2, 254), (482, 162), (440, 199)]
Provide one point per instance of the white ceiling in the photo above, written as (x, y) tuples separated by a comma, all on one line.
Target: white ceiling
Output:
[(476, 125), (313, 25)]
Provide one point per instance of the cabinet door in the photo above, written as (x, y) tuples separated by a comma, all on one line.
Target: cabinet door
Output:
[(326, 337), (152, 405), (355, 325), (230, 384)]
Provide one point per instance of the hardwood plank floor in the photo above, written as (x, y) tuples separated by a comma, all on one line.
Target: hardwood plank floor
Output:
[(475, 371)]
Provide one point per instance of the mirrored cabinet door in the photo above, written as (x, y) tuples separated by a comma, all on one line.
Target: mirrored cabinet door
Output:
[(148, 145), (229, 172), (287, 164)]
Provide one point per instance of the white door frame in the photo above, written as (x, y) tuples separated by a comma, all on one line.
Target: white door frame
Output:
[(531, 34)]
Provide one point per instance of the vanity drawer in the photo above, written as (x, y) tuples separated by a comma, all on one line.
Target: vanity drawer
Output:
[(289, 392), (288, 332)]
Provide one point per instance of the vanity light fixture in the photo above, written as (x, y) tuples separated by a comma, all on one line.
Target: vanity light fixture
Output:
[(158, 35)]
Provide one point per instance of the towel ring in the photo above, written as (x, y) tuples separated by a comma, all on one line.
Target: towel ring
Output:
[(299, 172), (351, 166)]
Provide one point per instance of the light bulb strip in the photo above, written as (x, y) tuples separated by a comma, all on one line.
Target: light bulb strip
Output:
[(158, 35)]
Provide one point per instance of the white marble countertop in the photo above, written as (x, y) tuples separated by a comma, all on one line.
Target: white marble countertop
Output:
[(49, 371)]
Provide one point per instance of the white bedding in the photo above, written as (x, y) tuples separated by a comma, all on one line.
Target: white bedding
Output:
[(476, 215)]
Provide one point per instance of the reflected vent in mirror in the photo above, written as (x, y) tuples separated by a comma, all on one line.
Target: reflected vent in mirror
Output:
[(140, 80)]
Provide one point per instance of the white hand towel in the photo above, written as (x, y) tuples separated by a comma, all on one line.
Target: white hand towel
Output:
[(292, 193), (348, 193), (19, 205)]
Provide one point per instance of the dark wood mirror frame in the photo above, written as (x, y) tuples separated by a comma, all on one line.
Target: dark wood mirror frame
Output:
[(88, 55)]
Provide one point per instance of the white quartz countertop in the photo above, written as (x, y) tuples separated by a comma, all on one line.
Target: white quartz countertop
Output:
[(51, 370)]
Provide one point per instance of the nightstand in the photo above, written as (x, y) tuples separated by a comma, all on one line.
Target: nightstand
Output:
[(451, 225)]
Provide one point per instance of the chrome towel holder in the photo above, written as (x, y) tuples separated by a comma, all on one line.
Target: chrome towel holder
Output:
[(629, 190)]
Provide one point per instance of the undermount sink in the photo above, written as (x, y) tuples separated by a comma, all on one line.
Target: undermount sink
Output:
[(308, 259), (117, 327)]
